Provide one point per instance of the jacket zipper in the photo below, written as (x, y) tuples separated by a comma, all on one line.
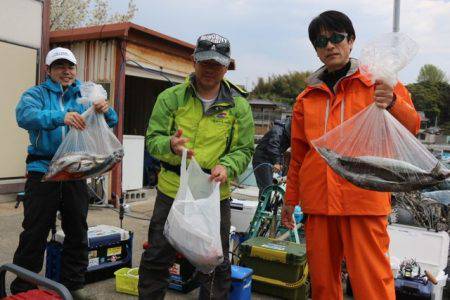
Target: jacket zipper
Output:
[(37, 139), (327, 113), (61, 105)]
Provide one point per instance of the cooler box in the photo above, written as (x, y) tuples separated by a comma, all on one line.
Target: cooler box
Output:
[(241, 283), (279, 267), (110, 248), (242, 213), (428, 248), (412, 290)]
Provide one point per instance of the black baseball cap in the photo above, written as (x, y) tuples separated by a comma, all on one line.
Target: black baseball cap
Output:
[(212, 46)]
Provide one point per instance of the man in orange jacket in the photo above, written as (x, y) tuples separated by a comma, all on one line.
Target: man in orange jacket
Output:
[(344, 221)]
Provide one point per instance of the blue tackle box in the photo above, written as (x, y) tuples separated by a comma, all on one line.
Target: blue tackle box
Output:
[(110, 248)]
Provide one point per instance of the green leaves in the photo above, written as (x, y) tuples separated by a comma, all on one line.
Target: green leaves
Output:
[(281, 88)]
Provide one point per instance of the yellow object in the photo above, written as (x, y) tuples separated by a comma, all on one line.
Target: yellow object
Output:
[(127, 280), (269, 254), (280, 283), (114, 251)]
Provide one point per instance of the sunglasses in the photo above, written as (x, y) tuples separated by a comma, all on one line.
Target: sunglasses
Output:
[(335, 38), (222, 48)]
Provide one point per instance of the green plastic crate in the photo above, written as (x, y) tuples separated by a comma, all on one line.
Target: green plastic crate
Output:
[(279, 267)]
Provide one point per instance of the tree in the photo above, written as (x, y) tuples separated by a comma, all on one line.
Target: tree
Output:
[(433, 98), (431, 73), (282, 88), (67, 14)]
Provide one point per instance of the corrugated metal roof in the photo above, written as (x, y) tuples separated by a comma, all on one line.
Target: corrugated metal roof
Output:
[(131, 32), (111, 31)]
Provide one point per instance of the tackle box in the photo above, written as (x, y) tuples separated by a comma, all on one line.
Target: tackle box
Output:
[(428, 248), (279, 267), (110, 248), (182, 275)]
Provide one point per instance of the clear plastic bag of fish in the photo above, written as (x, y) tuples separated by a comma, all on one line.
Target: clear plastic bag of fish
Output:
[(193, 223), (373, 150), (90, 152), (385, 56)]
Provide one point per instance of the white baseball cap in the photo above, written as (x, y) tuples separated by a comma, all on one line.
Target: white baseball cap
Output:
[(60, 53)]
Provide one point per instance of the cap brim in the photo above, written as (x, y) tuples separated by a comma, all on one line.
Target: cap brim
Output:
[(212, 55), (50, 61)]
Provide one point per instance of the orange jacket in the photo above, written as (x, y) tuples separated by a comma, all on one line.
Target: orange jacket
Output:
[(310, 181)]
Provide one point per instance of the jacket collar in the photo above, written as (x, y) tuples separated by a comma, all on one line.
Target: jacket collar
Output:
[(315, 81), (227, 90)]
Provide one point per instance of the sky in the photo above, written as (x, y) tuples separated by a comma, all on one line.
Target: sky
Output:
[(270, 37)]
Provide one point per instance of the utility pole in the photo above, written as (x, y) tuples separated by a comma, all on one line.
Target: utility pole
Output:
[(396, 26)]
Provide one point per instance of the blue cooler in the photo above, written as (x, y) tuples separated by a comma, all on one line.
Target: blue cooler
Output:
[(241, 283), (110, 248), (408, 289)]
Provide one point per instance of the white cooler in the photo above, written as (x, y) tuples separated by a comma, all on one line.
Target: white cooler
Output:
[(242, 213), (428, 248)]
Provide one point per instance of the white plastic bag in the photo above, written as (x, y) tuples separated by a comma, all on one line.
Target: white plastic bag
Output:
[(89, 152), (373, 150), (193, 223)]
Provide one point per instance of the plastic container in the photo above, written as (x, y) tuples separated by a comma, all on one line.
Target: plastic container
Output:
[(241, 283), (428, 248), (279, 267), (127, 280), (412, 290), (298, 214), (110, 248), (242, 213), (35, 295), (182, 277)]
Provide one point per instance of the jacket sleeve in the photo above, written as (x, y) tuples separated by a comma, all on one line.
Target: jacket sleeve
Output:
[(275, 143), (160, 129), (111, 117), (299, 148), (30, 114), (242, 143), (403, 109)]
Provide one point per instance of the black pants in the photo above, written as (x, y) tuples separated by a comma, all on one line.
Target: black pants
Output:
[(42, 200), (160, 256), (263, 175)]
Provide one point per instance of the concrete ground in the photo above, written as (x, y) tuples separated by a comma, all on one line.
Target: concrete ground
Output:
[(11, 227)]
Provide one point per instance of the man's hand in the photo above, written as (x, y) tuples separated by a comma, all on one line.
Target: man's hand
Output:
[(177, 144), (75, 120), (101, 106), (384, 94), (286, 216), (277, 168), (219, 174)]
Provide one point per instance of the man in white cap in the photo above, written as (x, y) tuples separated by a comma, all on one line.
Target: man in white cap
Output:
[(48, 111)]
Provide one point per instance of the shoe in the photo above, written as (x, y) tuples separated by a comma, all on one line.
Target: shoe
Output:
[(82, 294)]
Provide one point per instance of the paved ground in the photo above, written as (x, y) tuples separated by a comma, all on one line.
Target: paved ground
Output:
[(11, 227)]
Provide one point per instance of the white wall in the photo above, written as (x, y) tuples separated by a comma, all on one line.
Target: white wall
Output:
[(20, 42)]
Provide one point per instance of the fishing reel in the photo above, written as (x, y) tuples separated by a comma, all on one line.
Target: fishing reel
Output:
[(410, 269)]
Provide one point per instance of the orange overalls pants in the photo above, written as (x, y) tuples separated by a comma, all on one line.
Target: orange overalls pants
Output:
[(363, 241)]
